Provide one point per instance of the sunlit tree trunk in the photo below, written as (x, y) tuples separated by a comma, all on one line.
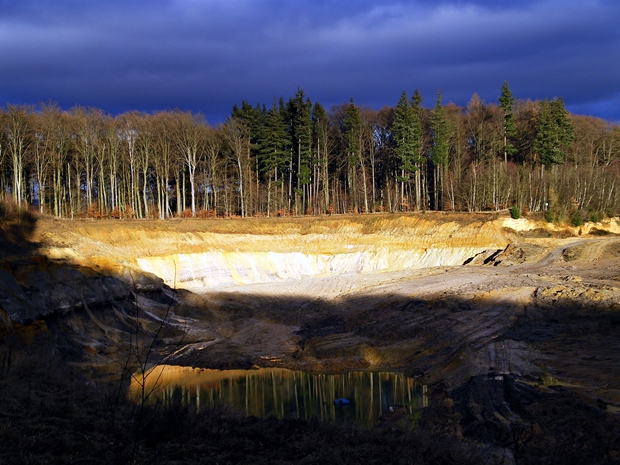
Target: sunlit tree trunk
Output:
[(18, 134), (237, 137)]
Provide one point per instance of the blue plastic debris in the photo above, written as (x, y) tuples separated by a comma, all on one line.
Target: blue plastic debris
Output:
[(341, 401)]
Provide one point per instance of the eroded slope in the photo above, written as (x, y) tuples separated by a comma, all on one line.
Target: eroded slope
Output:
[(198, 255)]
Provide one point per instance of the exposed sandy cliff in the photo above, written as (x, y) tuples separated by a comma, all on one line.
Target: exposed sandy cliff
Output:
[(199, 255)]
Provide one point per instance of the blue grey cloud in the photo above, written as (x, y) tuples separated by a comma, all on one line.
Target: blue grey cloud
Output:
[(206, 55)]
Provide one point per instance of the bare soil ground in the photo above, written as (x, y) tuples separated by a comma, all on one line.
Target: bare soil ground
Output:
[(502, 317), (519, 347), (523, 350)]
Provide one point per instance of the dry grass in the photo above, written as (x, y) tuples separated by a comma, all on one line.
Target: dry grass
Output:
[(302, 225)]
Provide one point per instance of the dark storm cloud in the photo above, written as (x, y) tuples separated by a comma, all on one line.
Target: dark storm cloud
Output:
[(206, 55)]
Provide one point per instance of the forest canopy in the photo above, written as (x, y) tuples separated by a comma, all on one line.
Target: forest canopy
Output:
[(294, 157)]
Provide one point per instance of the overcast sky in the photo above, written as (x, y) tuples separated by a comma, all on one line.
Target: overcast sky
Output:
[(206, 55)]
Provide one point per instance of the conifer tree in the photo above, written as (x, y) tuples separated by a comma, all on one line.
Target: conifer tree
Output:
[(253, 118), (554, 132), (352, 124), (403, 136), (406, 137), (274, 148), (301, 134), (440, 128), (563, 123), (546, 143), (416, 100), (320, 137), (506, 100)]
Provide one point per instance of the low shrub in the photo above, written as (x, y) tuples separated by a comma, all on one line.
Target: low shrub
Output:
[(549, 216), (595, 217), (576, 218)]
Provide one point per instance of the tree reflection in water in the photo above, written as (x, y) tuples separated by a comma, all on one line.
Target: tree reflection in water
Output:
[(290, 394)]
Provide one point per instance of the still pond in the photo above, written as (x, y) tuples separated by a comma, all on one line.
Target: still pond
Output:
[(355, 397)]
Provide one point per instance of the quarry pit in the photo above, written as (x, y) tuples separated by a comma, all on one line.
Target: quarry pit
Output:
[(504, 320)]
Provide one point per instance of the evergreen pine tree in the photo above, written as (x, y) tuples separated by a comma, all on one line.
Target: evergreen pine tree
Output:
[(562, 120), (403, 137), (440, 128), (351, 129), (319, 122), (546, 142), (416, 100), (554, 132), (506, 100), (274, 149), (301, 135), (406, 133), (320, 129), (253, 117), (275, 141), (352, 124)]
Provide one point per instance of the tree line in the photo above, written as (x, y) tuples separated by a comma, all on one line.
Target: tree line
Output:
[(294, 157)]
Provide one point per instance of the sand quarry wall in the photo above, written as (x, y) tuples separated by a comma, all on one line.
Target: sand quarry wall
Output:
[(204, 254), (216, 269)]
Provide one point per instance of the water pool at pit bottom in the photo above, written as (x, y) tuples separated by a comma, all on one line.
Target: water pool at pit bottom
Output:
[(284, 393)]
